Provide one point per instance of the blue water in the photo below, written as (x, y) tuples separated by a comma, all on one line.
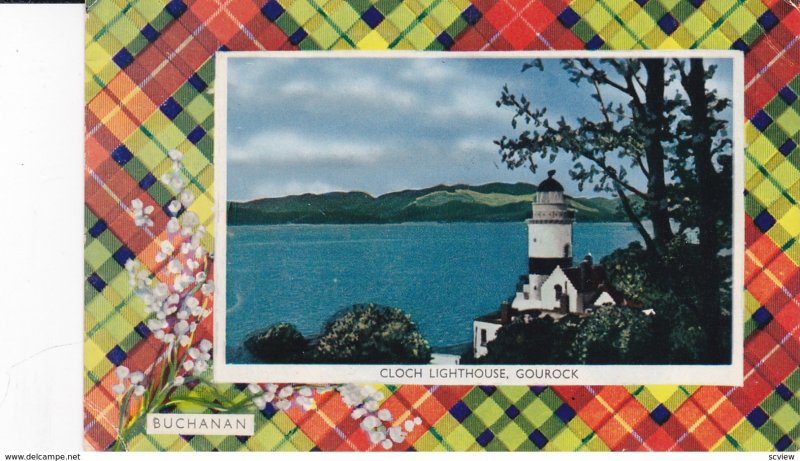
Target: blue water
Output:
[(443, 275)]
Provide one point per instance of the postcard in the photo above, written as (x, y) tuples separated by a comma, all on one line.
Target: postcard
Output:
[(519, 218), (399, 225)]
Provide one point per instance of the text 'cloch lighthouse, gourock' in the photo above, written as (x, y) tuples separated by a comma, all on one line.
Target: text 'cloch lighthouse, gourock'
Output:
[(552, 285)]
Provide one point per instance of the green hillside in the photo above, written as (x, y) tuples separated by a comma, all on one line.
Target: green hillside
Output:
[(488, 202)]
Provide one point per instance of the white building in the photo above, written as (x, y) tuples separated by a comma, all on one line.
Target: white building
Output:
[(552, 285)]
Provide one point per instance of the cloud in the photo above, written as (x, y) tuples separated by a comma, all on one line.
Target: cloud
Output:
[(476, 144), (272, 147), (432, 72), (471, 103), (358, 91)]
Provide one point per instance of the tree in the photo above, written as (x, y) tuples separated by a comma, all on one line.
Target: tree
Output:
[(676, 144), (522, 342), (615, 335), (372, 334), (280, 343), (535, 340)]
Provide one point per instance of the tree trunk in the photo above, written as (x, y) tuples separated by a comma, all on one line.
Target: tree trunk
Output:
[(655, 126), (708, 289)]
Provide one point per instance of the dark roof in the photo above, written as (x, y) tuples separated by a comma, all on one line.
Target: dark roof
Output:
[(550, 184), (595, 285)]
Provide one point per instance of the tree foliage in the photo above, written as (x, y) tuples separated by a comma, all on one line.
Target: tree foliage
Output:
[(615, 335), (280, 343), (659, 141), (612, 335), (372, 334)]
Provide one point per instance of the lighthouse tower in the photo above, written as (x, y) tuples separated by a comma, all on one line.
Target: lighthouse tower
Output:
[(549, 234)]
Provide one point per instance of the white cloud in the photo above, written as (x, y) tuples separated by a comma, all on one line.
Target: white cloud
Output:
[(471, 103), (428, 71), (337, 93), (476, 144), (293, 147)]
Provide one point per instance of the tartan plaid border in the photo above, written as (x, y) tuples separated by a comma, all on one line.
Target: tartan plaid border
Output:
[(149, 89)]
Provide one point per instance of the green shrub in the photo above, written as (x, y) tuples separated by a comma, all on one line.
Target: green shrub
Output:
[(280, 343), (615, 335), (372, 334)]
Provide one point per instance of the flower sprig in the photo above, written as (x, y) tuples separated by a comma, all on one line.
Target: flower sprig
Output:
[(177, 296)]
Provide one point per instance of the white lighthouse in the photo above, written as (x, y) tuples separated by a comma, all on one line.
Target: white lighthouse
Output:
[(549, 239), (552, 287)]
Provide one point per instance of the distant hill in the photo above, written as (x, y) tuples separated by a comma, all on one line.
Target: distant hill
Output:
[(489, 202)]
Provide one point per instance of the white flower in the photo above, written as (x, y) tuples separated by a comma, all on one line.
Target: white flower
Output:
[(260, 402), (179, 380), (173, 299), (207, 288), (396, 434), (371, 422), (371, 405), (166, 249), (174, 207), (358, 413), (122, 372), (384, 415), (132, 265), (137, 377), (253, 387), (408, 425), (175, 155), (187, 198), (141, 214), (182, 282), (173, 225), (305, 403), (181, 328), (174, 180), (283, 405), (386, 444), (200, 367), (205, 345), (156, 324), (186, 247), (377, 436), (305, 391), (190, 220), (138, 391), (118, 389), (285, 392), (417, 420), (175, 267), (188, 365)]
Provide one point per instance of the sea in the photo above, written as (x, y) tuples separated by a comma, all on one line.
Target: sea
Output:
[(442, 274)]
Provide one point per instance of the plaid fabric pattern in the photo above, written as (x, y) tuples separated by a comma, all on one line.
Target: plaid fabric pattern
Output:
[(149, 88)]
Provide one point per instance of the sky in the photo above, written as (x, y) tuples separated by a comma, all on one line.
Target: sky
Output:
[(378, 125)]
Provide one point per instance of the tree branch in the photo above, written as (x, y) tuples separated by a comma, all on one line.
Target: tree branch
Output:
[(637, 223)]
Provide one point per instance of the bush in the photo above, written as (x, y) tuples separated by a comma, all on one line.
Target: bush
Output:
[(372, 334), (615, 335), (537, 340), (280, 343), (671, 287)]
